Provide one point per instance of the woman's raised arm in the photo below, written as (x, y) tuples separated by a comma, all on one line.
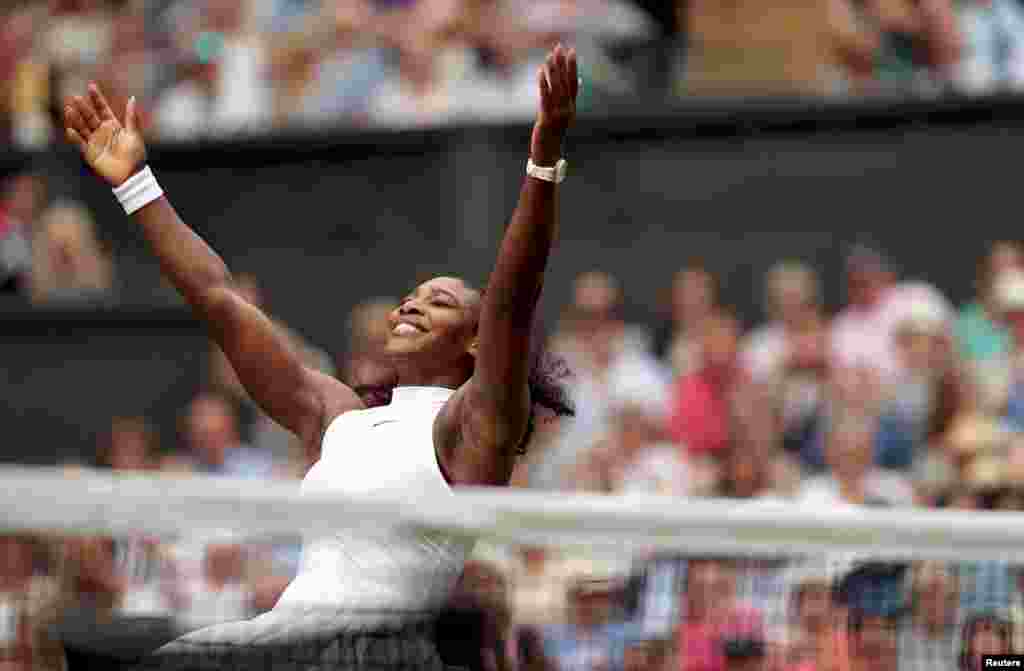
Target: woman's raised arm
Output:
[(495, 404), (298, 398)]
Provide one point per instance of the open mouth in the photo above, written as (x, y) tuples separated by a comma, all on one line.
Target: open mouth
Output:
[(405, 329)]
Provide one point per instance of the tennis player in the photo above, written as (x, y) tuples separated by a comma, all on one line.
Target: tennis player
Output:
[(467, 385)]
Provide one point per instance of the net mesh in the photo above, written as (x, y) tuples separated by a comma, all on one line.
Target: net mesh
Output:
[(74, 598)]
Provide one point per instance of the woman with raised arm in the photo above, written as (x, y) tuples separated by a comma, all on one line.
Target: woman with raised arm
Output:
[(467, 382)]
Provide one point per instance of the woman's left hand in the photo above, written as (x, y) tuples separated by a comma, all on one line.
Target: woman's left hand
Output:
[(558, 80)]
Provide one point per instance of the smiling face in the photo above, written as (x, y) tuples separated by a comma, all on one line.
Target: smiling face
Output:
[(435, 324)]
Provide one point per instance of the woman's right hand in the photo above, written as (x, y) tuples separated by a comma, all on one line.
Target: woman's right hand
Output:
[(114, 151)]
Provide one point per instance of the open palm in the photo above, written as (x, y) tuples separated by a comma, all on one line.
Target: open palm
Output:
[(114, 151), (559, 86)]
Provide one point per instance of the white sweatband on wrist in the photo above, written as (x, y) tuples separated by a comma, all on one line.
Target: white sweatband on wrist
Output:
[(554, 174), (138, 191)]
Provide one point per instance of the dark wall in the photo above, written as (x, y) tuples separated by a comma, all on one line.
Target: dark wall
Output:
[(65, 375), (326, 222)]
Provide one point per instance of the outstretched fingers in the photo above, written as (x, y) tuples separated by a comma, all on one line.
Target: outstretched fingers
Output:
[(563, 70), (86, 111), (131, 119), (99, 102), (554, 77), (74, 121)]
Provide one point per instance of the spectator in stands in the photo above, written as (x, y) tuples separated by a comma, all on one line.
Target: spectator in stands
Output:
[(912, 402), (30, 602), (986, 633), (993, 58), (26, 91), (78, 38), (94, 584), (700, 410), (928, 634), (18, 33), (873, 642), (935, 478), (208, 580), (592, 640), (130, 445), (813, 641), (694, 298), (1010, 294), (651, 655), (792, 300), (756, 466), (504, 52), (538, 589), (221, 89), (980, 333), (183, 111), (852, 478), (643, 460), (69, 265), (752, 477), (21, 198), (790, 350), (611, 367), (655, 579), (327, 70), (713, 615), (863, 333), (975, 428), (421, 88), (211, 433), (921, 43)]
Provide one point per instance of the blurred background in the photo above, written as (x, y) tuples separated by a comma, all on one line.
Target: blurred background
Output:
[(789, 270)]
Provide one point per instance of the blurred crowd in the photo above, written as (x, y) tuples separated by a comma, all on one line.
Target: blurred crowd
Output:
[(215, 68), (900, 399)]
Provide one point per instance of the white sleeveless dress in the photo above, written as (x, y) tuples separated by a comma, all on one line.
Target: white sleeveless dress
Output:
[(361, 581)]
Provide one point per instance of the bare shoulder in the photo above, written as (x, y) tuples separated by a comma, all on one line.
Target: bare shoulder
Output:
[(335, 398)]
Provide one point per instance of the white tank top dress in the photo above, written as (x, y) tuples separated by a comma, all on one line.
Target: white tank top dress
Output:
[(387, 451), (351, 581)]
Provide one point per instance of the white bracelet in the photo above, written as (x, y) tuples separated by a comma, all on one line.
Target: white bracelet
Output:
[(138, 191), (555, 174)]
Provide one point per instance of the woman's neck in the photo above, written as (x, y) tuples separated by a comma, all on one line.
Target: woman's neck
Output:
[(410, 375)]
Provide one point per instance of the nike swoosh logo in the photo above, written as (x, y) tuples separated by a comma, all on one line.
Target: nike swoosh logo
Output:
[(386, 421)]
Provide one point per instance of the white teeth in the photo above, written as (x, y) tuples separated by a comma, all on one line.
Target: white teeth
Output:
[(405, 329)]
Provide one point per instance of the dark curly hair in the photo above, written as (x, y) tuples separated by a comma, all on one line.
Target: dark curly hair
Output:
[(547, 381)]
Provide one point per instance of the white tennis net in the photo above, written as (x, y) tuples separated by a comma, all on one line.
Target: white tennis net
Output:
[(102, 568)]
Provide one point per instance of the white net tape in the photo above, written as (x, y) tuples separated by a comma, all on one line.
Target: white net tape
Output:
[(34, 499)]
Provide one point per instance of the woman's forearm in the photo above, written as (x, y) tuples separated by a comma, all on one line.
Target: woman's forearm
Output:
[(518, 274), (185, 259)]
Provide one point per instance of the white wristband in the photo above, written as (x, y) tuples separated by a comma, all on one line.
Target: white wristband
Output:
[(555, 174), (138, 191)]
